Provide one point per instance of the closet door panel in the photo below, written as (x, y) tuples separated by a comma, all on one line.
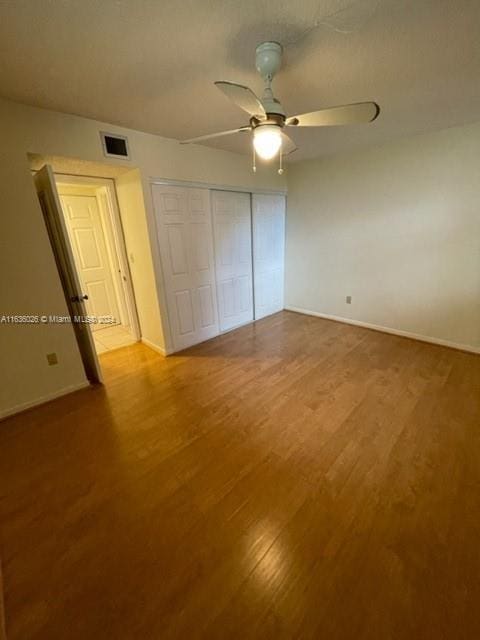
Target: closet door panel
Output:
[(202, 263), (184, 232), (184, 311), (268, 213), (233, 257)]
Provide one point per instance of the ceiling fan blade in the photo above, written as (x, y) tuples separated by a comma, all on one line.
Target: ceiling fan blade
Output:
[(216, 135), (243, 97), (288, 145), (347, 114)]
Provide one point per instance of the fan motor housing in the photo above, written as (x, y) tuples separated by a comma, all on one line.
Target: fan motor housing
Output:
[(273, 107), (272, 118)]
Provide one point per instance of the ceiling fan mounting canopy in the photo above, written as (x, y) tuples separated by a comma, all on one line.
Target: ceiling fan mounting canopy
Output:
[(268, 112), (268, 59)]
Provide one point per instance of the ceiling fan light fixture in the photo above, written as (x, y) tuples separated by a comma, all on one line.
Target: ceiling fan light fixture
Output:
[(268, 117), (267, 140)]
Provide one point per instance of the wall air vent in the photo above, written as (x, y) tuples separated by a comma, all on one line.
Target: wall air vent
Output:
[(115, 146)]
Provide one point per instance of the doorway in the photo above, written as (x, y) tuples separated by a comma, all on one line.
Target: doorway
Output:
[(89, 249), (92, 221)]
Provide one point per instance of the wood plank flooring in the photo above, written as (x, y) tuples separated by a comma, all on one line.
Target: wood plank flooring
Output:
[(296, 478)]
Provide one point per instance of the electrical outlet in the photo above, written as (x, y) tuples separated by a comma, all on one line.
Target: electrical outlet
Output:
[(52, 358), (348, 299)]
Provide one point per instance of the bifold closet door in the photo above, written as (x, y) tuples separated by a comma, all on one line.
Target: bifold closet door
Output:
[(184, 229), (232, 229), (268, 212)]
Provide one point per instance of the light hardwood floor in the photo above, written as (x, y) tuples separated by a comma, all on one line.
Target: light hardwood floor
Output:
[(296, 478)]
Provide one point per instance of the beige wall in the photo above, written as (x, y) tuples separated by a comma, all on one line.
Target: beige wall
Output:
[(397, 228), (29, 281), (132, 209)]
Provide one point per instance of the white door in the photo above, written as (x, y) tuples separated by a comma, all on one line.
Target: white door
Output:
[(87, 238), (184, 228), (57, 232), (232, 227), (268, 253)]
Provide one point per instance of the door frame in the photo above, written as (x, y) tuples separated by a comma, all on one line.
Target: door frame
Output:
[(113, 236), (46, 189)]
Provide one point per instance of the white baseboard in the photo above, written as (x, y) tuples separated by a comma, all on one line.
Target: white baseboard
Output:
[(155, 347), (395, 332), (43, 399)]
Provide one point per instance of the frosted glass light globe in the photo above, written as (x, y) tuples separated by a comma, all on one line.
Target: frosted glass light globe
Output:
[(267, 140)]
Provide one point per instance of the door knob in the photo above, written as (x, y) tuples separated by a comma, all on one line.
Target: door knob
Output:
[(79, 298)]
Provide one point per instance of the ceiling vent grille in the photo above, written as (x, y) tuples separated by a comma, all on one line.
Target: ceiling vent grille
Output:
[(115, 146)]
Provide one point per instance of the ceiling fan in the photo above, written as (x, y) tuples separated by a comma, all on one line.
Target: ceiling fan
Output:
[(268, 117)]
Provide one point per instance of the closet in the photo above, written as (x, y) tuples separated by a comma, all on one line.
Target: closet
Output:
[(222, 258)]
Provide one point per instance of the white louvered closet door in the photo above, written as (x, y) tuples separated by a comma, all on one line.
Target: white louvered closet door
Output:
[(232, 227), (268, 253), (184, 229)]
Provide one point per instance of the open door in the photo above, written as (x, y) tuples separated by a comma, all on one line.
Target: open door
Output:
[(57, 231)]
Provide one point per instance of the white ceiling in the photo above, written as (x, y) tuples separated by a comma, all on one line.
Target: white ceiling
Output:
[(151, 64)]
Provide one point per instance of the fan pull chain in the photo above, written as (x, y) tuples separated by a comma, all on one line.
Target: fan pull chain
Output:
[(280, 169), (254, 161)]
